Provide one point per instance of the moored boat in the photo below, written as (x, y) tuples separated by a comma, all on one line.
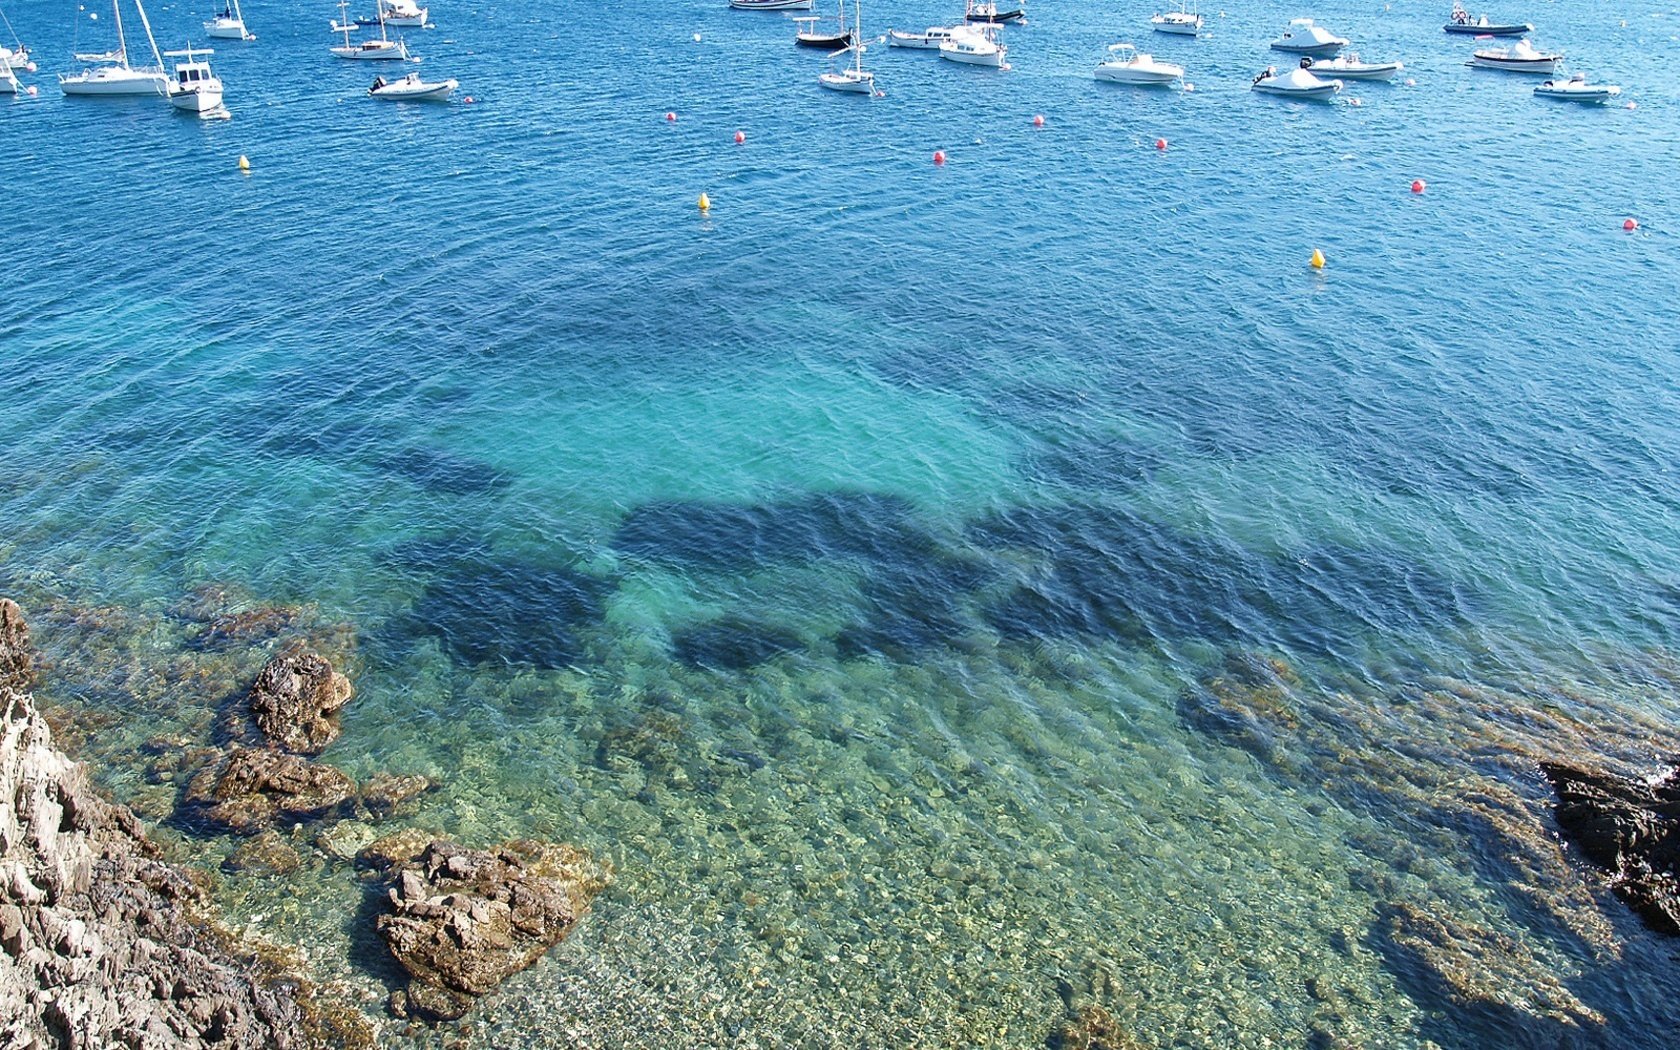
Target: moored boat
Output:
[(1577, 89), (808, 35), (1520, 57), (1302, 37), (1350, 67), (771, 5), (1178, 23), (194, 89), (110, 73), (1461, 23), (1296, 83), (230, 24), (1127, 65), (927, 40), (987, 12), (853, 78), (975, 45), (412, 89), (383, 49)]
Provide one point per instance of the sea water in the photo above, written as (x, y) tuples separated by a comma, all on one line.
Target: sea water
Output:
[(945, 593)]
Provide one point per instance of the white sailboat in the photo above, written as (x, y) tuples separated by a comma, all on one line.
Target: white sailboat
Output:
[(854, 77), (230, 24), (195, 88), (111, 74), (367, 50), (13, 59)]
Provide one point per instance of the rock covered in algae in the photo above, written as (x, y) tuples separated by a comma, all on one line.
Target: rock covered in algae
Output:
[(105, 945), (462, 920), (1631, 828), (253, 788), (296, 698), (265, 854), (1090, 1027)]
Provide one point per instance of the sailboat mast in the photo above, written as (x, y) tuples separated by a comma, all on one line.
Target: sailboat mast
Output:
[(138, 6)]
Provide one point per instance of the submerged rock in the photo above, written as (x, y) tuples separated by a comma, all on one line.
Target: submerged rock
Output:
[(1631, 828), (266, 854), (463, 920), (1090, 1027), (295, 701), (253, 788), (105, 945), (385, 794)]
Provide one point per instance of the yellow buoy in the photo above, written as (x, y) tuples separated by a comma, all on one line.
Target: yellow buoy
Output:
[(244, 163), (1317, 259), (705, 203)]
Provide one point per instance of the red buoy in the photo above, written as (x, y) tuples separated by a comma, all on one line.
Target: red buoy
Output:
[(1630, 225), (1160, 143), (939, 156), (1418, 185), (670, 117), (1038, 120), (740, 137)]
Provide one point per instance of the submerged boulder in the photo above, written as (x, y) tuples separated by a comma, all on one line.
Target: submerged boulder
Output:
[(295, 701), (253, 788), (461, 920), (1631, 828)]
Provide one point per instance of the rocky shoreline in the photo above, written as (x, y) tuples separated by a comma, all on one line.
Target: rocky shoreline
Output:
[(107, 944)]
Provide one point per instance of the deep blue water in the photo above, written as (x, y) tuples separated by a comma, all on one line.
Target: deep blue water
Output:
[(997, 458)]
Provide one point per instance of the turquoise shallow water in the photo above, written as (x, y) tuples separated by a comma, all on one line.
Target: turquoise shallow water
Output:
[(942, 591)]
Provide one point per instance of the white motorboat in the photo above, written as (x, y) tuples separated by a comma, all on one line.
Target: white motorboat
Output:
[(1520, 57), (1576, 89), (976, 45), (412, 89), (195, 88), (230, 24), (1178, 23), (403, 13), (771, 5), (853, 78), (1296, 83), (110, 73), (1304, 38), (927, 40), (1350, 67), (1461, 23), (383, 49), (1127, 65)]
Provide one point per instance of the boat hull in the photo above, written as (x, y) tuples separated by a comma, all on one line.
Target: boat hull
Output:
[(425, 92), (1136, 77), (1325, 49), (95, 85), (1464, 29), (771, 5), (1602, 93), (1371, 71), (824, 41), (848, 82), (997, 18), (196, 101), (1314, 94), (993, 60), (1177, 28), (917, 41), (1516, 65), (373, 54)]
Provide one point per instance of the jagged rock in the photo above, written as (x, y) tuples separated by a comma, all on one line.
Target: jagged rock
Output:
[(1090, 1027), (264, 854), (463, 920), (104, 944), (295, 701), (385, 793), (254, 788), (396, 848), (1631, 828)]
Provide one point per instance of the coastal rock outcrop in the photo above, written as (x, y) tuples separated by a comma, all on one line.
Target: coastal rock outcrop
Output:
[(462, 920), (104, 944), (250, 789), (1631, 828), (296, 698)]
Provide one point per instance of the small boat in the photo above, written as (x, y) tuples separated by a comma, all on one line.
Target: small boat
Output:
[(403, 13), (383, 49), (985, 11), (1128, 65), (110, 74), (853, 78), (976, 45), (928, 40), (1304, 38), (1520, 57), (15, 57), (230, 24), (807, 35), (412, 89), (1178, 23), (771, 5), (1576, 89), (1297, 83), (195, 88), (1463, 24), (1349, 67)]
